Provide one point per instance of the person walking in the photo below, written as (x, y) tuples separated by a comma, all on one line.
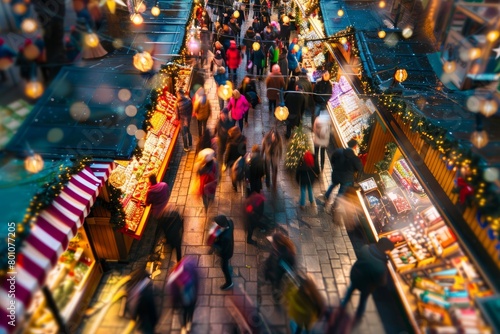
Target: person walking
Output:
[(272, 150), (221, 239), (141, 302), (184, 114), (208, 173), (293, 62), (296, 103), (283, 61), (233, 60), (183, 286), (157, 196), (305, 176), (248, 40), (274, 84), (283, 257), (255, 170), (201, 110), (248, 89), (236, 147), (253, 213), (345, 163), (172, 224), (259, 58), (221, 131), (206, 141), (205, 41), (322, 93), (238, 106), (321, 139), (368, 273)]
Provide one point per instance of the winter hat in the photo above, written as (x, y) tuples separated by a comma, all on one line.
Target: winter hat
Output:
[(384, 245), (309, 159), (232, 42), (221, 220)]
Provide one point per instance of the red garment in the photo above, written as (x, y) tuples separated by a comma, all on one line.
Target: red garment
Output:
[(233, 56), (158, 196), (238, 107), (208, 181)]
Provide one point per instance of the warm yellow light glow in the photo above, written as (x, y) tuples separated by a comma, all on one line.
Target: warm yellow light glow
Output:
[(33, 163), (493, 36), (340, 12), (137, 19), (142, 7), (343, 40), (474, 53), (33, 89), (256, 46), (286, 19), (91, 40), (19, 8), (305, 50), (31, 51), (281, 113), (407, 32), (155, 11), (143, 61), (296, 48), (236, 14), (449, 66), (479, 139), (382, 4), (29, 26), (489, 108), (382, 34), (225, 91), (400, 75)]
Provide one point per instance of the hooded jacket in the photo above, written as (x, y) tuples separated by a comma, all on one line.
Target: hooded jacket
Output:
[(321, 131), (370, 269), (323, 92), (233, 56), (345, 163), (225, 241), (238, 107), (236, 146)]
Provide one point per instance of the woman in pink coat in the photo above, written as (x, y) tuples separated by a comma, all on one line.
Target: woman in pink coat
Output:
[(233, 61), (238, 106)]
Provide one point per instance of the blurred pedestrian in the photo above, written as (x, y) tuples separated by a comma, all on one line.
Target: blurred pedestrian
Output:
[(172, 224), (293, 62), (345, 163), (235, 29), (368, 273), (305, 83), (321, 139), (255, 170), (272, 149), (184, 112), (248, 41), (157, 196), (322, 93), (305, 176), (183, 285), (205, 42), (233, 59), (141, 303), (283, 257), (259, 58), (296, 103), (248, 89), (208, 173), (253, 214), (274, 84), (206, 141), (238, 106), (282, 60), (221, 238), (236, 147), (201, 110), (7, 55), (221, 130)]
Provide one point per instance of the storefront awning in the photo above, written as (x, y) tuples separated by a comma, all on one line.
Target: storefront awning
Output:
[(49, 237)]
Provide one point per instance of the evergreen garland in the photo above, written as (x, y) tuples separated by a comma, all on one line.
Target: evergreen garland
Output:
[(114, 206), (298, 145), (389, 151)]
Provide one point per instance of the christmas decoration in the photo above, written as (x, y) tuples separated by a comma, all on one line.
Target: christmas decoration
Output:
[(298, 145), (382, 165), (464, 190)]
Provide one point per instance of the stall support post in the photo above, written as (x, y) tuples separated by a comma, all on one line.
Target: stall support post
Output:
[(51, 304)]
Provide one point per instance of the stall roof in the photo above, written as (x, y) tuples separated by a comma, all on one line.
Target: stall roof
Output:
[(84, 112)]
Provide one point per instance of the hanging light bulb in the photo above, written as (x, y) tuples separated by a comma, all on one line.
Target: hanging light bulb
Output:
[(33, 89), (91, 40), (305, 50), (286, 19), (343, 40), (141, 8), (143, 61), (474, 53), (340, 12), (31, 51), (33, 163), (489, 108), (407, 32), (381, 4), (296, 48), (281, 113), (137, 19), (382, 34), (256, 46), (479, 138), (29, 26), (155, 11), (492, 36), (449, 66), (400, 75), (236, 14), (225, 91), (19, 8)]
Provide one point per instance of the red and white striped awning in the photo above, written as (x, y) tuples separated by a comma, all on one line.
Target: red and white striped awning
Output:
[(49, 237)]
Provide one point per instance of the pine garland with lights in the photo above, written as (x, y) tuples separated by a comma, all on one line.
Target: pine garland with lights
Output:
[(455, 155), (115, 207), (389, 151), (298, 145), (42, 199)]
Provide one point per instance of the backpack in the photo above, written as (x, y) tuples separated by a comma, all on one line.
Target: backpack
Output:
[(239, 168)]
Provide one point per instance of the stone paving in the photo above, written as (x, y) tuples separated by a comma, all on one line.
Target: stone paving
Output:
[(324, 248)]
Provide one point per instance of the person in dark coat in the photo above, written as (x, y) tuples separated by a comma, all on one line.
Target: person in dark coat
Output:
[(221, 131), (256, 170), (222, 241), (248, 89), (172, 224), (209, 177), (253, 213), (257, 28), (236, 146), (296, 103), (368, 273), (141, 303), (322, 93), (184, 113), (157, 196), (272, 149), (305, 176), (248, 40), (345, 163), (259, 59), (282, 254), (303, 81), (274, 84)]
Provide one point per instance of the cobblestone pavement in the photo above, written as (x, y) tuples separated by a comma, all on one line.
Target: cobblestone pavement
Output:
[(324, 248)]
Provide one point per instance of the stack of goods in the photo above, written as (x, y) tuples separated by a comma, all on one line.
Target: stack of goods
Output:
[(405, 176), (183, 80), (387, 180)]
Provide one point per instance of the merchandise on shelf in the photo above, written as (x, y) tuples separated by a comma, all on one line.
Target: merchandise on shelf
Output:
[(404, 174)]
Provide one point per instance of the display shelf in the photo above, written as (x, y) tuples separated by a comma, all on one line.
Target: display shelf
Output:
[(437, 283)]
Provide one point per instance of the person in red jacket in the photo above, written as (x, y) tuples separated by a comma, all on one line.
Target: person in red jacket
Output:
[(233, 61), (238, 106), (158, 195)]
